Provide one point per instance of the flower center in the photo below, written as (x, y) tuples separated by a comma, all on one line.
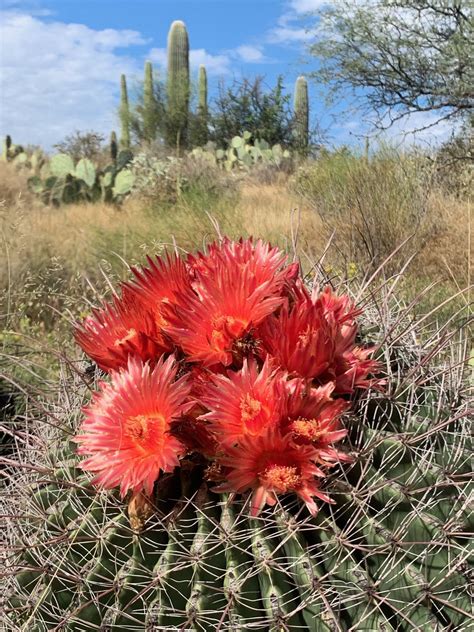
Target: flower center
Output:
[(145, 430), (253, 414), (225, 329), (307, 428), (281, 478), (130, 335)]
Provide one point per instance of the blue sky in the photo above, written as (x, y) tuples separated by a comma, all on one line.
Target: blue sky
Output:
[(61, 60)]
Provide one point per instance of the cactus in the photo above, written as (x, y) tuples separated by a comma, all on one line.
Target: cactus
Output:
[(199, 131), (149, 105), (59, 181), (301, 114), (241, 154), (124, 114), (202, 105), (113, 147), (177, 85), (7, 143), (390, 555)]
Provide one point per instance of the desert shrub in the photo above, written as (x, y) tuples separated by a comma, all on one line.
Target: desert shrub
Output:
[(81, 144), (164, 181), (373, 204)]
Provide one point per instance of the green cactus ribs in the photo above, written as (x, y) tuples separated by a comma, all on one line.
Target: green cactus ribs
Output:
[(124, 115), (390, 554), (301, 114), (178, 89)]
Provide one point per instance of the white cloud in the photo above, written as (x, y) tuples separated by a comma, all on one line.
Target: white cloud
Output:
[(289, 30), (421, 128), (305, 6), (250, 54), (58, 77)]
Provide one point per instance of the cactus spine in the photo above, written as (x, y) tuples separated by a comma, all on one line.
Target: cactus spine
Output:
[(149, 105), (301, 114), (178, 85), (124, 114)]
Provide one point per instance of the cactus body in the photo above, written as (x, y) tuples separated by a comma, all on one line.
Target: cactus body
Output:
[(7, 143), (202, 92), (301, 114), (202, 113), (177, 85), (124, 114), (390, 554), (113, 147), (149, 105)]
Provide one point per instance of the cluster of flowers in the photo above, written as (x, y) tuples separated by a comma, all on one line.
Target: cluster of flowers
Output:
[(226, 354)]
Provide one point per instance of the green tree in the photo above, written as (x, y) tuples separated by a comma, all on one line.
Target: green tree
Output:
[(250, 106), (148, 115), (400, 56)]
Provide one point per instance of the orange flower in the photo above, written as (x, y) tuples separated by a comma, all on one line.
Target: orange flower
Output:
[(117, 331), (352, 370), (228, 305), (158, 286), (125, 433), (312, 416), (272, 464), (300, 339), (243, 403), (264, 262)]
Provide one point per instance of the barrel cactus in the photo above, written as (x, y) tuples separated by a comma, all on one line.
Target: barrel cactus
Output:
[(388, 548)]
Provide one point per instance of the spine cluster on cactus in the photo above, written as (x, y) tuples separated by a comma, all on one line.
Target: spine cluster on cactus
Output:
[(301, 113), (124, 114), (177, 84)]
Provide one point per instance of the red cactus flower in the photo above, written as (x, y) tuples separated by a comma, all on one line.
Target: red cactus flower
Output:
[(313, 417), (117, 331), (272, 464), (264, 262), (300, 339), (157, 287), (229, 305), (125, 432), (243, 403), (352, 370)]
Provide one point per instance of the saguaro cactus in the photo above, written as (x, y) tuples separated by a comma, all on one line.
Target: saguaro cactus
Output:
[(149, 105), (301, 113), (113, 147), (124, 114), (178, 84), (202, 106), (199, 132), (7, 143)]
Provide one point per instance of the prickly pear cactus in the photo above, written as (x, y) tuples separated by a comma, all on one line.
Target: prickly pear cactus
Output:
[(390, 554)]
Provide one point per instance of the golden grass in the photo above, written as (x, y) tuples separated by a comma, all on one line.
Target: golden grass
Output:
[(52, 252)]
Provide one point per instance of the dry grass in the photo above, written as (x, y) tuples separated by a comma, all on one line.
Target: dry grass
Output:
[(55, 262)]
